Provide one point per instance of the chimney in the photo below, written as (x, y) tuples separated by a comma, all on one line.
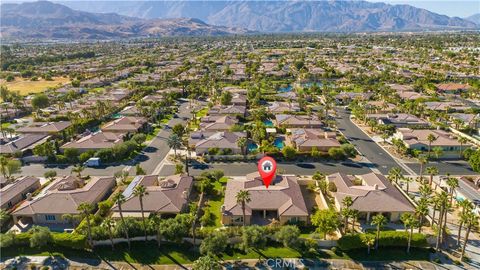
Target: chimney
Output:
[(375, 187), (222, 209), (29, 196), (185, 194)]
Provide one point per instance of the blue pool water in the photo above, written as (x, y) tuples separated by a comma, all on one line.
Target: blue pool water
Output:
[(268, 123), (252, 147), (289, 88), (116, 115), (278, 143), (310, 84)]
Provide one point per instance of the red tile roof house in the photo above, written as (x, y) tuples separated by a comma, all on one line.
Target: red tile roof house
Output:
[(452, 88), (95, 141), (126, 124), (228, 110), (218, 122), (283, 107), (45, 128), (17, 191), (282, 201), (222, 140), (305, 140), (297, 121), (62, 197), (371, 194), (399, 120), (417, 139), (168, 196)]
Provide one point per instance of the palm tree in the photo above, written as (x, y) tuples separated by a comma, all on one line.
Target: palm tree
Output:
[(452, 183), (108, 224), (174, 142), (442, 199), (242, 143), (378, 220), (85, 211), (409, 221), (140, 191), (431, 171), (471, 220), (3, 166), (354, 214), (430, 138), (395, 174), (466, 206), (368, 240), (119, 199), (78, 169), (422, 160), (346, 202), (462, 141), (243, 197), (407, 180), (421, 211)]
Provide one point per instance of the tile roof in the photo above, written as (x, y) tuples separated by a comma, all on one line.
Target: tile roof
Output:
[(376, 194), (99, 140), (45, 127), (283, 195), (18, 186), (126, 123)]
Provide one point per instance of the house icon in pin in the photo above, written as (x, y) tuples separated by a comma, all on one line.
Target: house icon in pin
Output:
[(267, 166)]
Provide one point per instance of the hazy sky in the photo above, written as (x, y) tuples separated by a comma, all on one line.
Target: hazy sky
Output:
[(459, 8)]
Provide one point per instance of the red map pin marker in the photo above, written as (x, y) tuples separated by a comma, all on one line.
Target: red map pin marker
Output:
[(267, 167)]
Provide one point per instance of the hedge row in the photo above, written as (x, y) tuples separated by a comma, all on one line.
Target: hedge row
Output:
[(387, 239), (69, 240)]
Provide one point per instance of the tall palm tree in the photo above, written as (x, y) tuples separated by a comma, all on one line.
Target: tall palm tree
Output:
[(442, 199), (346, 202), (243, 197), (431, 171), (379, 221), (422, 160), (421, 211), (410, 222), (430, 138), (85, 211), (368, 240), (471, 220), (242, 143), (354, 214), (462, 141), (140, 191), (119, 199), (174, 142), (395, 174), (466, 206), (407, 180), (452, 183), (108, 224)]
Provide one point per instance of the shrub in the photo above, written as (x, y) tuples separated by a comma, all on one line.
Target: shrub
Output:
[(387, 239), (336, 153), (61, 159), (86, 155), (71, 154), (70, 240)]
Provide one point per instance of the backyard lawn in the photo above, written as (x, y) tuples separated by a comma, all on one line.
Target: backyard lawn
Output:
[(26, 87), (215, 202)]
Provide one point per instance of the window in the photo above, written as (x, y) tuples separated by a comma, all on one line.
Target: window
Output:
[(237, 220), (10, 204), (294, 219), (49, 217)]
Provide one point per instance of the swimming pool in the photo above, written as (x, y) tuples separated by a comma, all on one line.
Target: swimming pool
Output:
[(288, 88), (279, 142), (268, 123)]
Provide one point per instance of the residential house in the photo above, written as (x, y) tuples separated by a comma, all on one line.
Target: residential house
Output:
[(297, 121), (399, 120), (465, 120), (130, 111), (371, 194), (23, 143), (452, 88), (347, 97), (95, 141), (218, 122), (377, 106), (305, 140), (168, 196), (417, 139), (239, 99), (126, 124), (281, 201), (17, 191), (283, 107), (60, 198), (223, 141), (448, 106), (228, 110), (45, 128)]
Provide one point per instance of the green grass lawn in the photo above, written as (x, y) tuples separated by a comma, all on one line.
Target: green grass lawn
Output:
[(215, 202), (174, 253)]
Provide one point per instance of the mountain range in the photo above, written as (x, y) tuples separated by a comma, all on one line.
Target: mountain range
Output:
[(124, 19), (475, 18), (47, 20)]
